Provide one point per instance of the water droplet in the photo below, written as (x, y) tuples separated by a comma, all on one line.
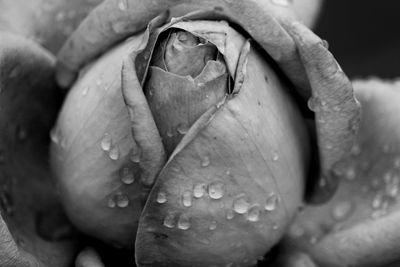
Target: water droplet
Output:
[(127, 176), (60, 16), (216, 190), (122, 200), (230, 214), (21, 133), (106, 142), (272, 202), (85, 91), (169, 221), (111, 203), (170, 134), (161, 198), (213, 225), (342, 210), (123, 5), (284, 3), (253, 214), (356, 150), (397, 162), (377, 201), (275, 226), (313, 103), (187, 199), (135, 155), (313, 240), (275, 156), (386, 148), (6, 203), (182, 129), (98, 82), (114, 153), (199, 190), (55, 138), (205, 161), (184, 222), (350, 173), (241, 205), (392, 189)]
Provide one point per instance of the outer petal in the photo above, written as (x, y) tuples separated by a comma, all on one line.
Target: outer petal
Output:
[(47, 22), (28, 203), (232, 185), (105, 158), (359, 225), (114, 20)]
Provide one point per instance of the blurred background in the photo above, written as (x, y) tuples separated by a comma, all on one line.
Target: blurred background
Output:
[(364, 36)]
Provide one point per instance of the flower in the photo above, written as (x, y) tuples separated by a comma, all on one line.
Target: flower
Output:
[(211, 163)]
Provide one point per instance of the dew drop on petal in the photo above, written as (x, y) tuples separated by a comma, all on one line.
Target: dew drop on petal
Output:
[(272, 202), (169, 221), (122, 200), (182, 129), (85, 91), (114, 153), (275, 226), (161, 198), (205, 161), (127, 176), (106, 142), (284, 3), (21, 133), (241, 205), (313, 103), (199, 190), (230, 214), (135, 155), (123, 5), (356, 150), (253, 214), (216, 190), (275, 156), (342, 210), (213, 225), (350, 173), (187, 199), (55, 138), (111, 203), (184, 222), (377, 201), (397, 162)]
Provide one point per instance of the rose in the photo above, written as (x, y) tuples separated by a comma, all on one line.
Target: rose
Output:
[(93, 196), (31, 62), (386, 126)]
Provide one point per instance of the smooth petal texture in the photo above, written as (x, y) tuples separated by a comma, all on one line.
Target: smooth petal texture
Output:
[(231, 186), (47, 22), (29, 102), (106, 150), (359, 225), (114, 20)]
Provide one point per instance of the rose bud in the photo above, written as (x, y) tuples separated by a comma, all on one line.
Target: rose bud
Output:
[(236, 149)]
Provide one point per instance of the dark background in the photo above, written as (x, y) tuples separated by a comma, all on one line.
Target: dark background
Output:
[(364, 36)]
